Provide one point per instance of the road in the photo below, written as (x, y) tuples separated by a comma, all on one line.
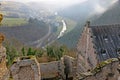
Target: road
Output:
[(49, 38), (39, 42)]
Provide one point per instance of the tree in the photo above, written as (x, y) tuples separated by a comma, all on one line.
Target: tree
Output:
[(39, 53), (29, 52), (23, 51), (11, 54), (55, 52), (50, 51)]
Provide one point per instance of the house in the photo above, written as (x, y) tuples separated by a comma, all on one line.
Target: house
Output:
[(97, 44)]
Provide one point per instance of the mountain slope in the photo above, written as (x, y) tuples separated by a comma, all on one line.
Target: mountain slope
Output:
[(77, 12), (81, 11), (72, 37), (111, 16), (27, 33)]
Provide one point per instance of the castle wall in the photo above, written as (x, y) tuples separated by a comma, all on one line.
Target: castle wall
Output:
[(111, 71), (4, 73), (28, 73), (26, 69), (86, 57), (30, 69), (57, 68), (52, 69)]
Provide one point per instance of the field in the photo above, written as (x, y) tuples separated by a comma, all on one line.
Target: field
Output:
[(14, 22)]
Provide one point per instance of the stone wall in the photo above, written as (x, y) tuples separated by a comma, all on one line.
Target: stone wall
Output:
[(86, 57), (57, 68), (26, 68), (3, 69), (52, 69), (107, 70), (70, 66), (4, 73)]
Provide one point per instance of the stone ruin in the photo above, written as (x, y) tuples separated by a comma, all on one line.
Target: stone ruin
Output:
[(26, 68), (4, 73), (107, 70)]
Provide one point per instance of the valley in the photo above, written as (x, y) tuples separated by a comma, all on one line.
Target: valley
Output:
[(74, 20), (59, 39)]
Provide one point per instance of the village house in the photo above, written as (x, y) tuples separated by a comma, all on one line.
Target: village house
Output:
[(97, 44)]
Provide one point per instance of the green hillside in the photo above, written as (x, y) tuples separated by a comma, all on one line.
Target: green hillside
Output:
[(26, 33), (10, 22), (15, 13), (71, 38), (14, 9)]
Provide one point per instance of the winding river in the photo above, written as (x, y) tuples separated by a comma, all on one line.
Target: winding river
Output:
[(63, 29), (41, 42)]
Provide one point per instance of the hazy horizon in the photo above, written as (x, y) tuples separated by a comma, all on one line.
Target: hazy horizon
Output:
[(57, 2)]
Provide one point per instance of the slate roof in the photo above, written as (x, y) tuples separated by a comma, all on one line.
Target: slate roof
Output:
[(106, 41)]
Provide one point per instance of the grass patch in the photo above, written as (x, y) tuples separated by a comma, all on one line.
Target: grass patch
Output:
[(14, 22)]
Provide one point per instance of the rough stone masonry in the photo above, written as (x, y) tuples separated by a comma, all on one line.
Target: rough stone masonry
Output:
[(4, 73), (26, 68)]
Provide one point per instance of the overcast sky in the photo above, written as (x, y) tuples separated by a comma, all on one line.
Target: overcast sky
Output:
[(63, 2), (53, 1), (98, 7)]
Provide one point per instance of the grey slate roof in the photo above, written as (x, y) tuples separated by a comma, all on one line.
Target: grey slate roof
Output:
[(106, 41)]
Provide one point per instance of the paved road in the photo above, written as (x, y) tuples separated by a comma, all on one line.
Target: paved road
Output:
[(39, 42), (48, 38)]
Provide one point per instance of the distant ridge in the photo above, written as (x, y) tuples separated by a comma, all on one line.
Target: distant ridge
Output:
[(12, 9), (111, 16)]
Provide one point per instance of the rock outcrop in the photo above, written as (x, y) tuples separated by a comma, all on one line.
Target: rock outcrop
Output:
[(107, 70)]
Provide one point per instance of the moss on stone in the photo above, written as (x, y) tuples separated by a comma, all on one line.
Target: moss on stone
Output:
[(97, 69)]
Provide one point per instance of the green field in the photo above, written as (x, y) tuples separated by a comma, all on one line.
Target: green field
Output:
[(14, 22)]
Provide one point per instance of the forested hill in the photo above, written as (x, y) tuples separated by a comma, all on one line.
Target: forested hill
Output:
[(77, 12), (81, 11), (111, 16)]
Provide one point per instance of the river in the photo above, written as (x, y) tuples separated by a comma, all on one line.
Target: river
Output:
[(63, 29)]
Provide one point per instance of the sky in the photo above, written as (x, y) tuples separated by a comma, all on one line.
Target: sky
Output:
[(63, 3), (98, 7), (50, 1)]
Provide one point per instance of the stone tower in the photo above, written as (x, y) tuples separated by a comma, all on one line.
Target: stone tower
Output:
[(3, 69)]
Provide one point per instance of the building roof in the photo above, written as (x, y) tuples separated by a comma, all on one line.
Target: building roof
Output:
[(106, 39)]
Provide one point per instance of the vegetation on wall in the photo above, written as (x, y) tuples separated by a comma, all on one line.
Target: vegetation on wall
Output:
[(55, 52), (50, 53)]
